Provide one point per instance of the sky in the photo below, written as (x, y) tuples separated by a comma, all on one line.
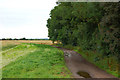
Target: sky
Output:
[(25, 18)]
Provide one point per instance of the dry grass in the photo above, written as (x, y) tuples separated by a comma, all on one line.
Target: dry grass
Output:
[(16, 42)]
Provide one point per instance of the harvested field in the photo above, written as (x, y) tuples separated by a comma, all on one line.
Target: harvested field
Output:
[(16, 42)]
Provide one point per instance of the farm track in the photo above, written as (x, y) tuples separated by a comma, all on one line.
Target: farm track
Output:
[(75, 63)]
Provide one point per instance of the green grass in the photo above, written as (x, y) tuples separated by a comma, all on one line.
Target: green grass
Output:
[(8, 47), (44, 62)]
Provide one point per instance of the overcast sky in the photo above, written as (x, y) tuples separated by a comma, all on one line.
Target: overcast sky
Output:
[(25, 18)]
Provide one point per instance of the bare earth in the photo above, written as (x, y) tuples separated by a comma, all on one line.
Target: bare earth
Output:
[(75, 62)]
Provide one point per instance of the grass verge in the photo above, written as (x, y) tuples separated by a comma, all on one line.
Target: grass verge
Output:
[(44, 62)]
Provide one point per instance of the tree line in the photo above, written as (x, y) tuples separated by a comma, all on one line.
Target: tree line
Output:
[(92, 26), (22, 39)]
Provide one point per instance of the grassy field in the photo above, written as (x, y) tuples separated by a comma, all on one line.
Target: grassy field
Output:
[(24, 59)]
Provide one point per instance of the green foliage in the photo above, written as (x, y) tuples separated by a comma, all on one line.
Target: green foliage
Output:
[(92, 26), (110, 30)]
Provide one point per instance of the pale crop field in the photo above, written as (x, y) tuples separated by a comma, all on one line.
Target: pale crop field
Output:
[(16, 42)]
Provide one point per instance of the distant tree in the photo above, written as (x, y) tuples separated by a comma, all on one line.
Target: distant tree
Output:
[(15, 39), (23, 38), (3, 39), (9, 38)]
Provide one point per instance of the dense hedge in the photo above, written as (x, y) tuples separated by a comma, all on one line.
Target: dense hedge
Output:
[(92, 26)]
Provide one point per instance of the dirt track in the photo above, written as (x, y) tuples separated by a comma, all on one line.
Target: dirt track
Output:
[(75, 62)]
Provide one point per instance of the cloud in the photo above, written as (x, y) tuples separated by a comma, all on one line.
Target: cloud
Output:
[(27, 31), (24, 18), (27, 4)]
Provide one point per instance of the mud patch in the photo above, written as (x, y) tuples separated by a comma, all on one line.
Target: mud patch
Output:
[(84, 74)]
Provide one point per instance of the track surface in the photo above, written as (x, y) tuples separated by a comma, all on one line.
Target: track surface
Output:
[(75, 62)]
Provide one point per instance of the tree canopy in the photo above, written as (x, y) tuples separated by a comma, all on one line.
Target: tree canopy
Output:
[(92, 26)]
